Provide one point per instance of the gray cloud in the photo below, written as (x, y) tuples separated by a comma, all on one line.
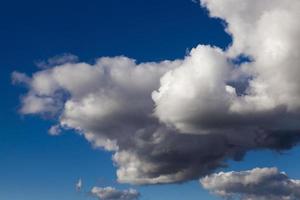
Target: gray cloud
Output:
[(255, 184), (271, 99), (174, 121), (110, 193)]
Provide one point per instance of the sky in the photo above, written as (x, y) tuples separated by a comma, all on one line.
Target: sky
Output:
[(95, 71)]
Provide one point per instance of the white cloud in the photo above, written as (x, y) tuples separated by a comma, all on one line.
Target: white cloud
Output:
[(255, 184), (264, 30), (18, 77), (39, 104), (174, 121), (79, 185), (110, 193), (267, 31), (195, 91), (57, 60), (54, 130)]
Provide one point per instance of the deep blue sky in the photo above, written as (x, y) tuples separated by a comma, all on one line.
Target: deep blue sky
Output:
[(34, 165)]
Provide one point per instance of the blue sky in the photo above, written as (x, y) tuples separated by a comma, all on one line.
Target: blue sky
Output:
[(35, 165)]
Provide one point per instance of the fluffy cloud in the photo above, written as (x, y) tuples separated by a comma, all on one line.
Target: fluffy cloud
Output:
[(200, 84), (263, 30), (54, 130), (110, 193), (174, 121), (256, 184)]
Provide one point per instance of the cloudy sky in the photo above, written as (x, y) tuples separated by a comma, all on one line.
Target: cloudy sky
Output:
[(150, 100)]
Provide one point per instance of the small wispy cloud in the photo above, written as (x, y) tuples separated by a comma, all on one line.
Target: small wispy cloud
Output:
[(79, 185), (57, 60), (110, 193)]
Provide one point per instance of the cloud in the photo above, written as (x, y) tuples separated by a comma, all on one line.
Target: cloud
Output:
[(255, 184), (79, 185), (174, 121), (18, 77), (199, 83), (207, 82), (54, 130), (110, 193), (57, 60)]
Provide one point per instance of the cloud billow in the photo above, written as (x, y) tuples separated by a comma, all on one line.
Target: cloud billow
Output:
[(110, 193), (174, 121), (255, 184)]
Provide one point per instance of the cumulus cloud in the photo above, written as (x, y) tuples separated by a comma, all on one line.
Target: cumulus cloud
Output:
[(110, 193), (174, 121), (255, 184), (199, 83), (264, 30)]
